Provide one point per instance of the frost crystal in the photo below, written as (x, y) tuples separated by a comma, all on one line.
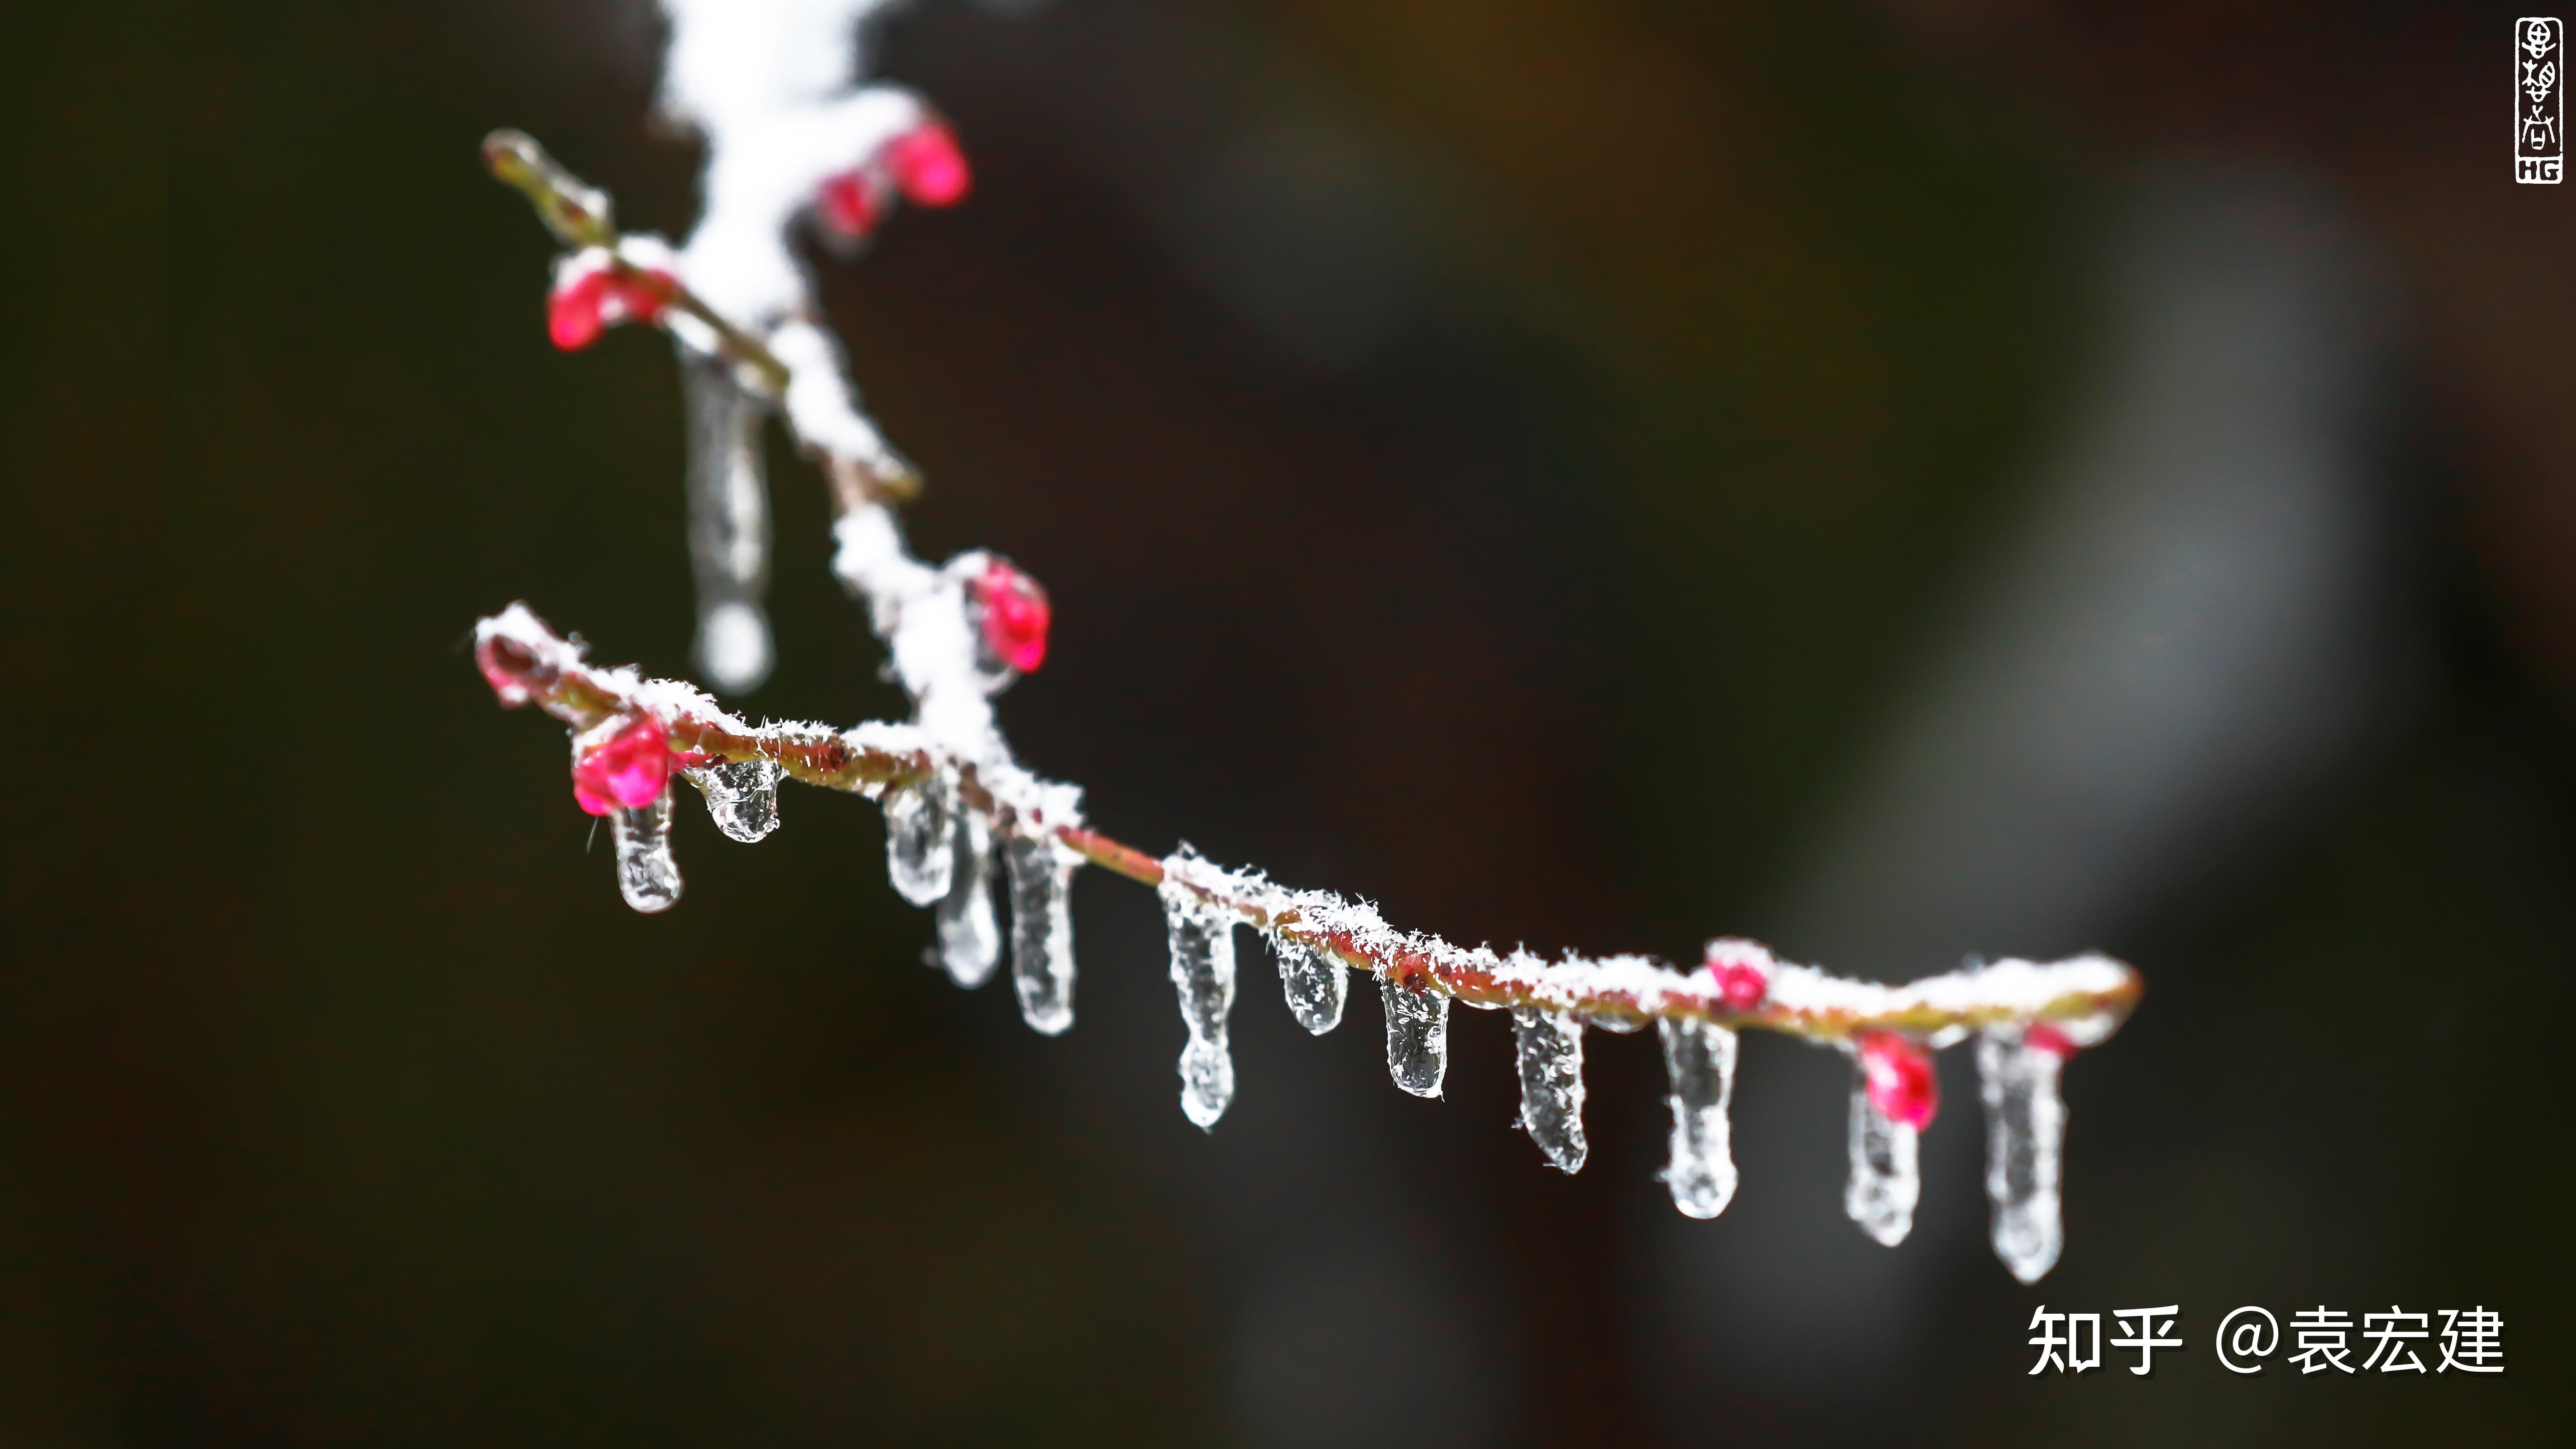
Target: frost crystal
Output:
[(1549, 1047), (1042, 929), (742, 795), (1417, 1036), (1885, 1179), (970, 935), (1699, 1060), (919, 856), (728, 522), (1317, 985), (646, 874), (2025, 1125), (1202, 941)]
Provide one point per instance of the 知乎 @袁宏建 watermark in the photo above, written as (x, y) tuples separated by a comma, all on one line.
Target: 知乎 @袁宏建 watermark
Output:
[(2539, 99), (2470, 1340)]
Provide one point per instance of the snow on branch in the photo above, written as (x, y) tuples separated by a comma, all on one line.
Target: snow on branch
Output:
[(791, 142)]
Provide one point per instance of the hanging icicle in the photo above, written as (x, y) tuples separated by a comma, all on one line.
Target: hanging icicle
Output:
[(1699, 1065), (1548, 1045), (1202, 945)]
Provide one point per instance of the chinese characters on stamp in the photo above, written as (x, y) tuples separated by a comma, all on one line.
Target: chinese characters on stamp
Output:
[(2539, 99)]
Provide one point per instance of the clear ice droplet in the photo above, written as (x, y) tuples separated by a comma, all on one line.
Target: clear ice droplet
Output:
[(728, 522), (1699, 1063), (1417, 1036), (741, 795), (970, 933), (1041, 874), (1317, 985), (920, 855), (2025, 1128), (647, 875), (1886, 1175), (1202, 943), (1548, 1046)]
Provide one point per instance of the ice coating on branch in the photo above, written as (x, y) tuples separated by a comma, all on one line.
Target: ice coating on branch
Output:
[(728, 522), (921, 857), (1886, 1176), (1548, 1048), (1699, 1066), (1041, 875), (1202, 946), (1417, 1036), (772, 84), (970, 934), (647, 875), (742, 796), (2017, 1075), (1317, 986)]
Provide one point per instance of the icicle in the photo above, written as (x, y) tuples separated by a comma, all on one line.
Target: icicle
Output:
[(1549, 1047), (1885, 1179), (1417, 1036), (728, 522), (1317, 985), (646, 874), (1042, 929), (1203, 973), (970, 935), (2025, 1125), (1699, 1060), (742, 796), (920, 853)]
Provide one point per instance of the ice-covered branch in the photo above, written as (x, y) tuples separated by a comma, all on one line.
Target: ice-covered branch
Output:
[(792, 140)]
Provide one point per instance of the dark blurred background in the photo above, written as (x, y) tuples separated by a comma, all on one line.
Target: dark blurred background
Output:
[(1892, 479)]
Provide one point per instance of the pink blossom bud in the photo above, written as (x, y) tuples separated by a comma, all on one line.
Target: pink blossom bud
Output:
[(1014, 615), (928, 165), (2041, 1035), (852, 202), (630, 769), (1902, 1084), (576, 312), (590, 295), (1738, 968), (511, 668)]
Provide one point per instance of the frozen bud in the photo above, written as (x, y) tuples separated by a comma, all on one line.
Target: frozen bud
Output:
[(592, 292), (511, 668), (628, 769), (928, 165), (2044, 1037), (1012, 612), (1902, 1084), (851, 203), (1741, 970)]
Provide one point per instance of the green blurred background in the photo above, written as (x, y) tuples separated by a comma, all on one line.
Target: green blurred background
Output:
[(1524, 463)]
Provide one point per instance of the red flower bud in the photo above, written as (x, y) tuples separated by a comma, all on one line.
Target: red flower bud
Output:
[(2049, 1039), (851, 203), (1014, 615), (587, 300), (928, 165), (1902, 1084), (630, 769), (1738, 968)]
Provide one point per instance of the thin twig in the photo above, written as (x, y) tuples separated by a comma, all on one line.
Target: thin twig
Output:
[(530, 663)]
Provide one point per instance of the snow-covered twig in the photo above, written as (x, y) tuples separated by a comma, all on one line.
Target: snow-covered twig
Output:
[(790, 142)]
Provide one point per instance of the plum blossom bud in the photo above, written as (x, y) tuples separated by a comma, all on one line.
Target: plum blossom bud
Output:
[(851, 203), (1902, 1084), (1742, 971), (928, 164), (628, 769), (1011, 611), (592, 293), (2043, 1037)]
